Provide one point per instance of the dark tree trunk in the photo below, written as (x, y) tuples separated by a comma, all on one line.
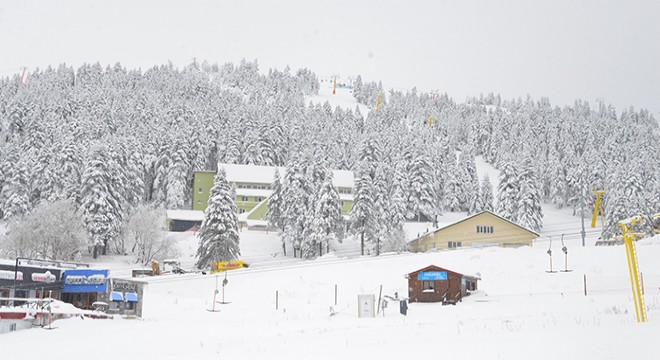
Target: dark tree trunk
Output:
[(362, 243)]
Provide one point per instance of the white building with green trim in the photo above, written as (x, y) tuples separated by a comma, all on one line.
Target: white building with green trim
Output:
[(253, 188)]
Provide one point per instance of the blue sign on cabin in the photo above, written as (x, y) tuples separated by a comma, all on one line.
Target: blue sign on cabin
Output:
[(81, 281), (432, 275)]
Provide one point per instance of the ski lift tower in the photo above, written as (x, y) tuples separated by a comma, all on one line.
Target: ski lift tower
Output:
[(598, 205), (635, 279), (378, 101), (334, 84), (434, 95)]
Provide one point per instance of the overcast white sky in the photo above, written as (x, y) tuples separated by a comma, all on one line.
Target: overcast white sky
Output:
[(562, 49)]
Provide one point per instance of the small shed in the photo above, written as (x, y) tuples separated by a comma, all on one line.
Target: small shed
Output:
[(436, 284), (184, 220), (125, 297)]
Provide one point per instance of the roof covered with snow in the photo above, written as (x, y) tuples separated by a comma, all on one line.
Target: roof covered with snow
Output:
[(253, 192), (440, 268), (468, 218), (265, 174), (186, 215)]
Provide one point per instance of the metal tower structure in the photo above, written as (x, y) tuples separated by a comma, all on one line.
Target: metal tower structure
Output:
[(598, 205), (631, 253)]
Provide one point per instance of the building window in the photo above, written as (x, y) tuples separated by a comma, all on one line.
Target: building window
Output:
[(454, 244), (428, 285), (241, 210), (257, 199), (199, 202), (200, 190), (485, 229), (244, 198)]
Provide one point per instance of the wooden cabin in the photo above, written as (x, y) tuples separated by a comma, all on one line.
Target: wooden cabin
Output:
[(436, 284)]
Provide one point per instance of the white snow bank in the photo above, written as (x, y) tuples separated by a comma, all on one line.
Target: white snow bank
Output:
[(186, 215)]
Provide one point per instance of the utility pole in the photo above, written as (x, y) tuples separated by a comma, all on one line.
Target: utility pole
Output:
[(582, 214), (362, 239), (13, 289), (582, 200)]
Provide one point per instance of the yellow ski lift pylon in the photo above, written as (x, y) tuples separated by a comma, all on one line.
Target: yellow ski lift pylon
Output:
[(598, 205), (429, 120), (633, 268), (334, 84)]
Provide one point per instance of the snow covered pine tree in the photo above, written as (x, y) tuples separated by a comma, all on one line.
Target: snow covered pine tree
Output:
[(218, 235)]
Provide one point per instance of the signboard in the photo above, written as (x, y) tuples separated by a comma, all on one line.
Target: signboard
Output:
[(9, 275), (81, 281), (432, 275), (30, 277), (124, 286), (46, 277)]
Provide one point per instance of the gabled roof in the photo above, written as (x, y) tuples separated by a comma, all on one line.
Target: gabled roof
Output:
[(265, 174), (251, 173), (433, 268), (470, 217), (438, 268)]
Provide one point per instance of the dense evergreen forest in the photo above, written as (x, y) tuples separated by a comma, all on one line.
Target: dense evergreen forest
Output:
[(112, 140)]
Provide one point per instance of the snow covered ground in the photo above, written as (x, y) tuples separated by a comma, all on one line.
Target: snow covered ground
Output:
[(519, 311), (342, 98)]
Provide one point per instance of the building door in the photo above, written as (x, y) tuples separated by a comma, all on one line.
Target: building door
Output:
[(4, 293)]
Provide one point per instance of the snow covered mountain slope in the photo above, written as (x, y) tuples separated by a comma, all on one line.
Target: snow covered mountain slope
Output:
[(463, 48)]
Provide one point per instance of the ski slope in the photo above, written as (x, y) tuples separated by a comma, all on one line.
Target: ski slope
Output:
[(519, 311)]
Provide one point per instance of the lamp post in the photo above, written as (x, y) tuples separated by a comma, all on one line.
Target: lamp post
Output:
[(13, 290), (584, 234)]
